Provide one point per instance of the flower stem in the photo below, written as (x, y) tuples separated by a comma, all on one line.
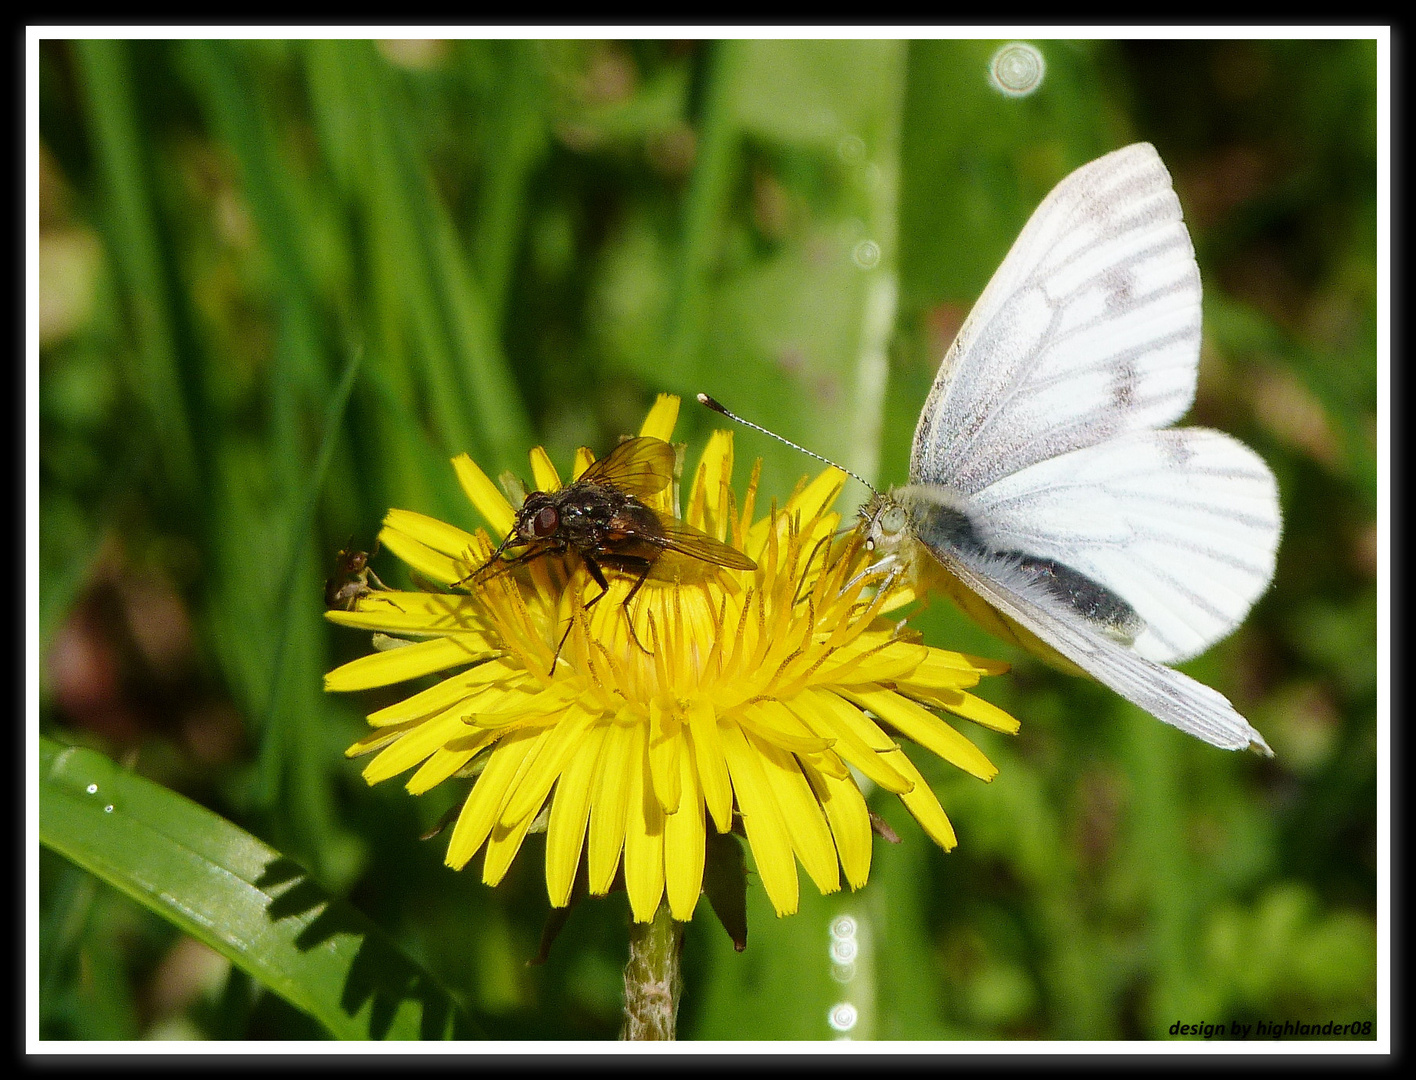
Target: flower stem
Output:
[(652, 982)]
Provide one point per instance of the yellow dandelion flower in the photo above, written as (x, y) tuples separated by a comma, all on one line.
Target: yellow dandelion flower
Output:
[(741, 698)]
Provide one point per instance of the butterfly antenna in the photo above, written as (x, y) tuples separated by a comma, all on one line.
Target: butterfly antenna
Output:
[(717, 407)]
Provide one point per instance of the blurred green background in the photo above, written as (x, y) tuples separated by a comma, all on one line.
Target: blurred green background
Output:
[(281, 283)]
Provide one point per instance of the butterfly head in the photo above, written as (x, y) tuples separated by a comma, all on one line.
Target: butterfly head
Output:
[(885, 522)]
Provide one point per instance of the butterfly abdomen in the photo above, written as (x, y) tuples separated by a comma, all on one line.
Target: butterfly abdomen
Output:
[(1093, 601)]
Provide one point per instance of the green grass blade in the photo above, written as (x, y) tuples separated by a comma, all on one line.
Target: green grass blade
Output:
[(297, 535), (134, 243), (473, 399), (246, 900), (518, 142), (706, 203), (241, 118)]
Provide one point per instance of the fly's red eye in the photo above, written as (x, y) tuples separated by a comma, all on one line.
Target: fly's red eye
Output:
[(546, 521)]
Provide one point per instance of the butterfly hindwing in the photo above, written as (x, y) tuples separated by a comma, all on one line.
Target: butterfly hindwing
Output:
[(1182, 523), (1163, 692)]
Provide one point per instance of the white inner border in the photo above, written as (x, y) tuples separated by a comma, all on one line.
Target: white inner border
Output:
[(1381, 34)]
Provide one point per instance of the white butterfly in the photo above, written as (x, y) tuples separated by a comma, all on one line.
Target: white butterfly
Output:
[(1044, 482)]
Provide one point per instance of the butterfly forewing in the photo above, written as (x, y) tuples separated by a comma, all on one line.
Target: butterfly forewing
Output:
[(641, 467), (1090, 328)]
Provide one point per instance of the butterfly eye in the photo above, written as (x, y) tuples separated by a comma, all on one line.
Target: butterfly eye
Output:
[(546, 521), (892, 521)]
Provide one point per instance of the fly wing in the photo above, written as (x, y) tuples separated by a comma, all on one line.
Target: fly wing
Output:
[(1163, 692), (680, 537), (1089, 329), (641, 467)]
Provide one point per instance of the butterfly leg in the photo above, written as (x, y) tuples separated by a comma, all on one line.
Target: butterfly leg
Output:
[(796, 597), (880, 566)]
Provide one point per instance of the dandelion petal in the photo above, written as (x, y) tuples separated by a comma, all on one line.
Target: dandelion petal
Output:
[(609, 807), (644, 835), (762, 818), (565, 835), (684, 838), (712, 766), (480, 811)]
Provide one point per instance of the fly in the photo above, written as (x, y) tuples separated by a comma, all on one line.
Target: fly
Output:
[(602, 519)]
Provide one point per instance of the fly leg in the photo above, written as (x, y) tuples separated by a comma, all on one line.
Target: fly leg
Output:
[(629, 615), (375, 578), (511, 538), (370, 570), (373, 594), (599, 576), (505, 565)]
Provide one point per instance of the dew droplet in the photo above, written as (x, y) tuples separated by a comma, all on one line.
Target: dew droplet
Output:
[(843, 973), (843, 926), (842, 1017), (92, 789), (844, 950), (108, 809), (1016, 69), (867, 254)]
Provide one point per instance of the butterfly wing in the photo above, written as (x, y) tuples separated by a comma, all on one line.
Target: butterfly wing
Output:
[(1089, 329), (641, 467), (1182, 523), (1163, 692)]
